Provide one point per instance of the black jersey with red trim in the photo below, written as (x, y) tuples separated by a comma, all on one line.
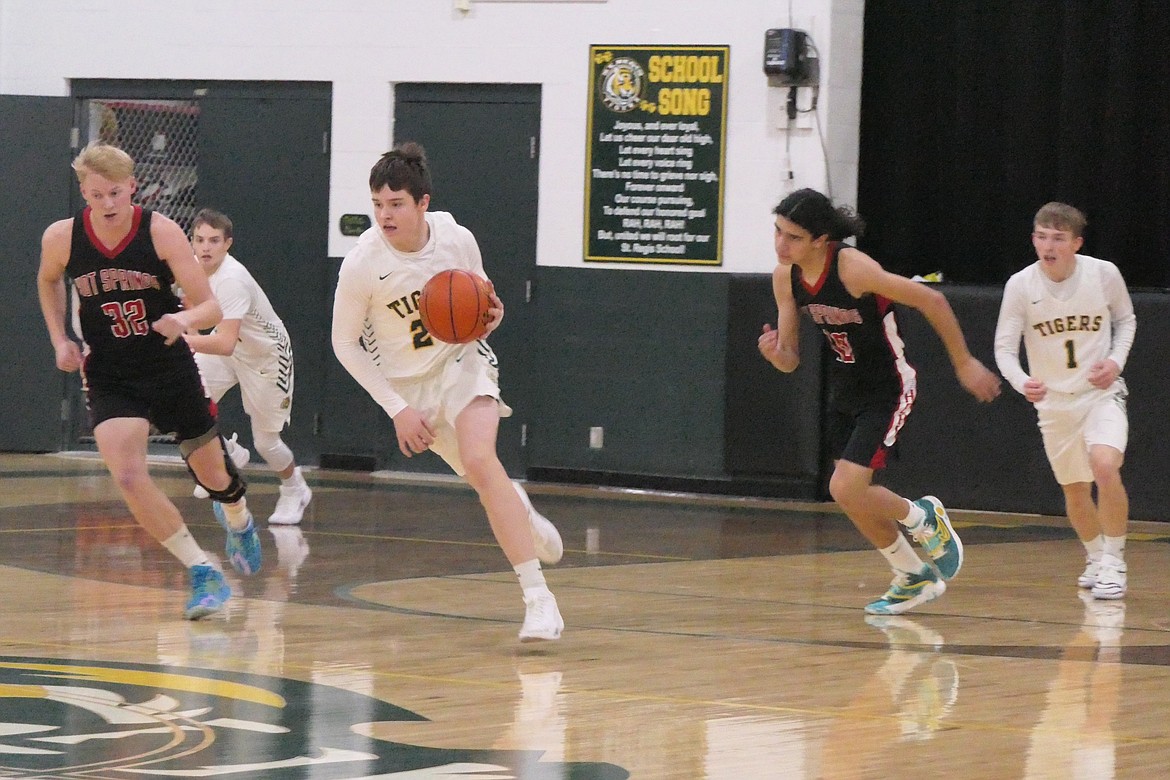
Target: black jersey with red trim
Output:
[(869, 359), (122, 290)]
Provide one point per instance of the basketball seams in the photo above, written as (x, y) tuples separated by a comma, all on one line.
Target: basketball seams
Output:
[(451, 311), (457, 301)]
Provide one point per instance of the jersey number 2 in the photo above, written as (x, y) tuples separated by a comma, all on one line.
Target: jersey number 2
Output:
[(129, 318), (840, 344), (421, 337)]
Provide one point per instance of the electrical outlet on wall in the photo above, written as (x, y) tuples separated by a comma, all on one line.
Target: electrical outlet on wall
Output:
[(596, 437)]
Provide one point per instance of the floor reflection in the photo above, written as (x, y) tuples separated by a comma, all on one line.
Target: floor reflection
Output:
[(906, 699), (1074, 736), (706, 639)]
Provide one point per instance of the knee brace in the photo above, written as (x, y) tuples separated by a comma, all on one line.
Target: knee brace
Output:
[(273, 449), (235, 489)]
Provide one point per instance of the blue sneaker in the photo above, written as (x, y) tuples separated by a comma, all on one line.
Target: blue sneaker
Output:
[(907, 591), (936, 535), (242, 547), (209, 592)]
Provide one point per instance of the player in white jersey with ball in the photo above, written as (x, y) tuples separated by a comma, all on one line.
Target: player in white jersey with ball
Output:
[(442, 397), (250, 347), (1077, 322)]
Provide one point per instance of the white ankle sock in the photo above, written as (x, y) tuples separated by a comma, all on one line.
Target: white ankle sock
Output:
[(902, 557), (1113, 545), (530, 574), (914, 516), (1094, 546), (296, 480), (237, 514), (184, 547)]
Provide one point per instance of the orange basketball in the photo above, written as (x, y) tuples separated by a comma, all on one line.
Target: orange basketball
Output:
[(454, 306)]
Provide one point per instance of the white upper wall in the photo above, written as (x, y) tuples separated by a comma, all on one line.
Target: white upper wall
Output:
[(364, 46)]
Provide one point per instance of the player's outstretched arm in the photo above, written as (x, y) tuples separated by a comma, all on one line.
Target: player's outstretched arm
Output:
[(862, 274)]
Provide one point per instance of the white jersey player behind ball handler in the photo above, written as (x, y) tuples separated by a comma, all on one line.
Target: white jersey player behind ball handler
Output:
[(1077, 322), (251, 348), (442, 397)]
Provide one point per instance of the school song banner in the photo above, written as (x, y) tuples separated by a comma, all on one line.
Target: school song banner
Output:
[(655, 154)]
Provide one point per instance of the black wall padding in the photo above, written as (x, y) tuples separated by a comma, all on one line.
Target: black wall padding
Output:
[(771, 419), (639, 354)]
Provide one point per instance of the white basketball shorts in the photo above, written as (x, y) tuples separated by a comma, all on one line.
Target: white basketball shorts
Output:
[(266, 392), (1071, 425), (441, 396)]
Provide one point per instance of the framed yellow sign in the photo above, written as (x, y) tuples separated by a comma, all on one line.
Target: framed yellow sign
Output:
[(655, 154)]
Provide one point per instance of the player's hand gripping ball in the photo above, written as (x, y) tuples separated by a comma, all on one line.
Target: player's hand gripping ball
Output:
[(454, 306)]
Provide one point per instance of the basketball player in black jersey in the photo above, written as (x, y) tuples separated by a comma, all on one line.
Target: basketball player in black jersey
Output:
[(136, 371), (871, 385)]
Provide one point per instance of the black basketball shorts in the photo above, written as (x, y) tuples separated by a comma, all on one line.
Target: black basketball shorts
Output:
[(173, 401)]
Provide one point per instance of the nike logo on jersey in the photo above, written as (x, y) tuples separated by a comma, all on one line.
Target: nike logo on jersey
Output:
[(1037, 301), (383, 276)]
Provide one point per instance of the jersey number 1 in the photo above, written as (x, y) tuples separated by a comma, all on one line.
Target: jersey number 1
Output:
[(1071, 350)]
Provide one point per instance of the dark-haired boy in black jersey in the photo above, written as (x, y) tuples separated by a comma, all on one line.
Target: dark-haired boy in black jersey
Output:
[(871, 385), (123, 261)]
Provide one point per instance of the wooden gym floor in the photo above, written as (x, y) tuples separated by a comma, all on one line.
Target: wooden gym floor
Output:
[(705, 638)]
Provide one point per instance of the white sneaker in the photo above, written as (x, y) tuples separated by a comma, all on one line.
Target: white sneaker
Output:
[(549, 547), (1088, 577), (239, 455), (542, 619), (1111, 577), (290, 507)]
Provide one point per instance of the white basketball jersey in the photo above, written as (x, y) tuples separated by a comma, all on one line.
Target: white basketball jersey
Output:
[(378, 287), (263, 336), (1067, 332)]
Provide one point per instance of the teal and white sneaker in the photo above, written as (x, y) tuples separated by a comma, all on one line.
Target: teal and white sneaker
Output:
[(209, 592), (242, 547), (936, 535), (907, 591)]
